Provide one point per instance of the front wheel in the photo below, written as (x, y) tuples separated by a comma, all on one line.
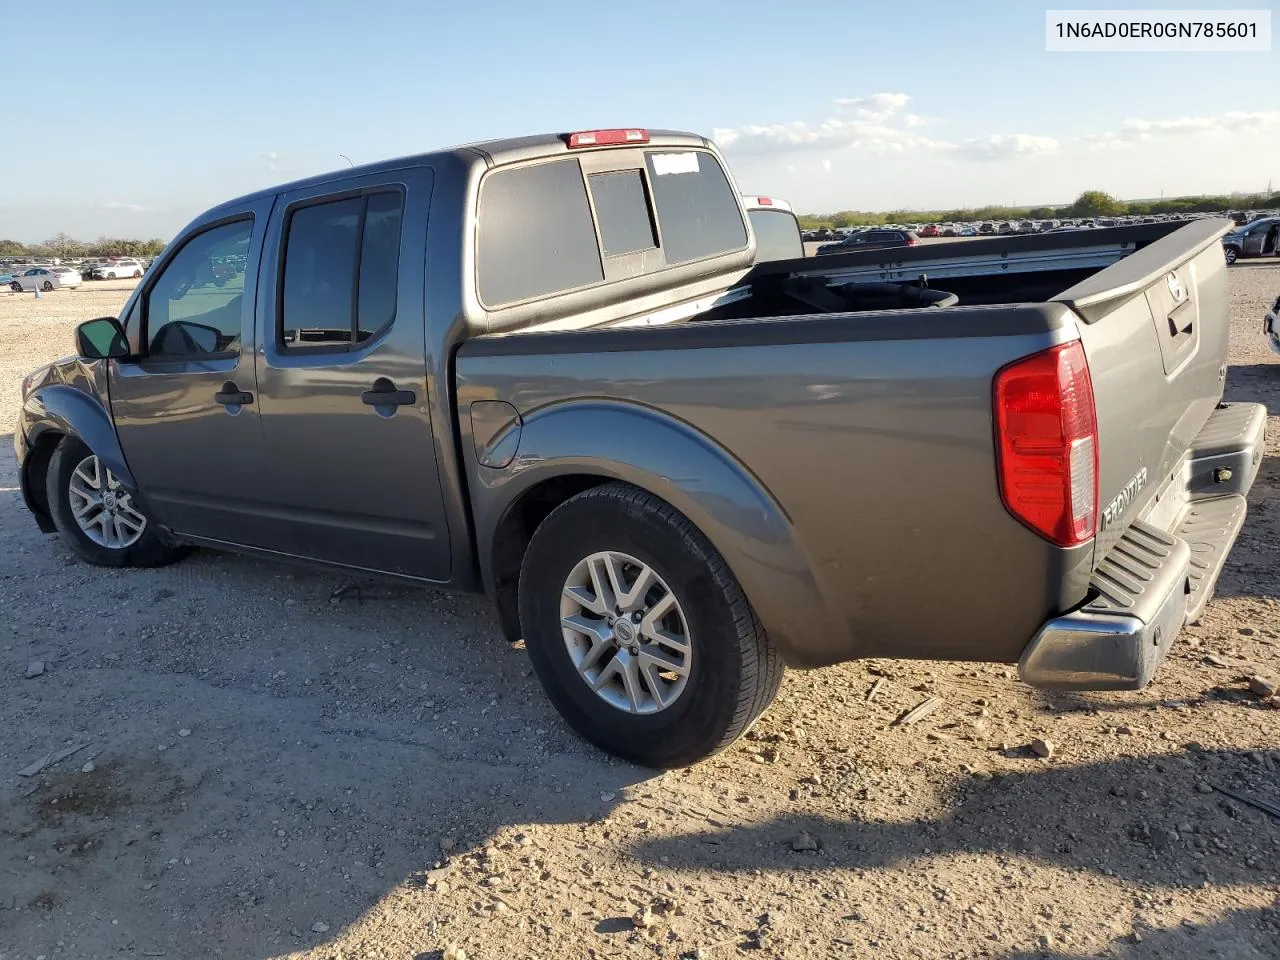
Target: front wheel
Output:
[(97, 516), (16, 287), (47, 286), (137, 274), (1232, 254), (639, 633)]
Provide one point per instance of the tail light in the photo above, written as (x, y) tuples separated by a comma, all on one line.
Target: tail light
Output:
[(1047, 444), (912, 241), (764, 201)]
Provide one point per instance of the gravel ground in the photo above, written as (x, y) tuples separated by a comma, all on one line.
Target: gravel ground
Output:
[(266, 770)]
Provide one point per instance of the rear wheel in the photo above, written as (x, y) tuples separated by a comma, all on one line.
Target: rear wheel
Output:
[(638, 631), (98, 517), (47, 286)]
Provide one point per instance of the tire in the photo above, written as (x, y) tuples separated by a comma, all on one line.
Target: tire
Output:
[(47, 286), (150, 549), (1231, 253), (15, 286), (111, 276), (732, 670), (137, 274)]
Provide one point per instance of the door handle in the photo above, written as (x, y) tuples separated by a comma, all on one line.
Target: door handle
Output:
[(232, 396), (385, 394), (1175, 322)]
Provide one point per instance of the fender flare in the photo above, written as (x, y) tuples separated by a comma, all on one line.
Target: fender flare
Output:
[(68, 410), (672, 460)]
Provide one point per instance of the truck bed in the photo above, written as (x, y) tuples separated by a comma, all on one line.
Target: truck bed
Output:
[(869, 432)]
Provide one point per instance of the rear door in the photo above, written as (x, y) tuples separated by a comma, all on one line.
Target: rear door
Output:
[(351, 469)]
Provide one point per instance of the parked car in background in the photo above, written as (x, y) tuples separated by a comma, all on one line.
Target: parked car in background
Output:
[(1256, 239), (43, 278), (1271, 326), (871, 240), (930, 230), (117, 269), (775, 226)]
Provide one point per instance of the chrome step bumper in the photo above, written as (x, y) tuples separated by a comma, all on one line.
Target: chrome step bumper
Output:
[(1161, 573)]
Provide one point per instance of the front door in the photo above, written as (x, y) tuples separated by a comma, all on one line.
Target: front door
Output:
[(342, 383), (185, 405)]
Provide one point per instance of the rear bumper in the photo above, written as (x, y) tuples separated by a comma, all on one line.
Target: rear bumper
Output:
[(1162, 572)]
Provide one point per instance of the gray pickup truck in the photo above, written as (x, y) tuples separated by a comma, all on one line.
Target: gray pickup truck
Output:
[(550, 369)]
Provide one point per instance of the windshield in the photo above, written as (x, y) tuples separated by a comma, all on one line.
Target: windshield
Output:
[(777, 235)]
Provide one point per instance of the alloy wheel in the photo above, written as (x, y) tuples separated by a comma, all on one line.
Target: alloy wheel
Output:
[(626, 632), (103, 509)]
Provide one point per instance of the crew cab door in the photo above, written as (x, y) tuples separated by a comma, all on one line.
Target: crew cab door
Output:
[(351, 469), (184, 404)]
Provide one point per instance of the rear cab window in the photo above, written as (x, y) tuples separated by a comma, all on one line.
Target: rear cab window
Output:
[(571, 223)]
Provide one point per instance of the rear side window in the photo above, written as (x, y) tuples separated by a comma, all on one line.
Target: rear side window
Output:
[(379, 265), (340, 268), (698, 212), (536, 236)]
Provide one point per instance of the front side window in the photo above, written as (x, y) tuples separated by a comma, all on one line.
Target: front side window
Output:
[(194, 308), (340, 267)]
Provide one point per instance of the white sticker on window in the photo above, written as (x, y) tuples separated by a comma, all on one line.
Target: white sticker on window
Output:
[(665, 163)]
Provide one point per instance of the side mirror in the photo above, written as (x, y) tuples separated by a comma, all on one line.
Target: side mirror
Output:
[(101, 339)]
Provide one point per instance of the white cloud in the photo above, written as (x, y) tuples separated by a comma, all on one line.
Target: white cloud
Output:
[(998, 146), (1232, 123), (877, 124), (273, 161), (128, 207), (876, 108), (826, 164)]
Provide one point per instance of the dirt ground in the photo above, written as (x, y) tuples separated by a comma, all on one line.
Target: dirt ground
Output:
[(268, 769)]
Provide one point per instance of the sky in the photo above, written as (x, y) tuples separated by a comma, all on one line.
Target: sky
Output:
[(131, 125)]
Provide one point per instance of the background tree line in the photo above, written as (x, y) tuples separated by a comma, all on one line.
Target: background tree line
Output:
[(68, 248), (1091, 203)]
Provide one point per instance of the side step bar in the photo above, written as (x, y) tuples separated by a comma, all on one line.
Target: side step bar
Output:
[(1161, 573)]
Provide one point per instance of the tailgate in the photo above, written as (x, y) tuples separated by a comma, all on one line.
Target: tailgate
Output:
[(1155, 334)]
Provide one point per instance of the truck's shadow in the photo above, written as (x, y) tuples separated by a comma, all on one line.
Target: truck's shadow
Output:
[(1237, 935), (1144, 820)]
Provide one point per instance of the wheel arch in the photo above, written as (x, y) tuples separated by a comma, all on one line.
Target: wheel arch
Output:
[(571, 447), (52, 413)]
